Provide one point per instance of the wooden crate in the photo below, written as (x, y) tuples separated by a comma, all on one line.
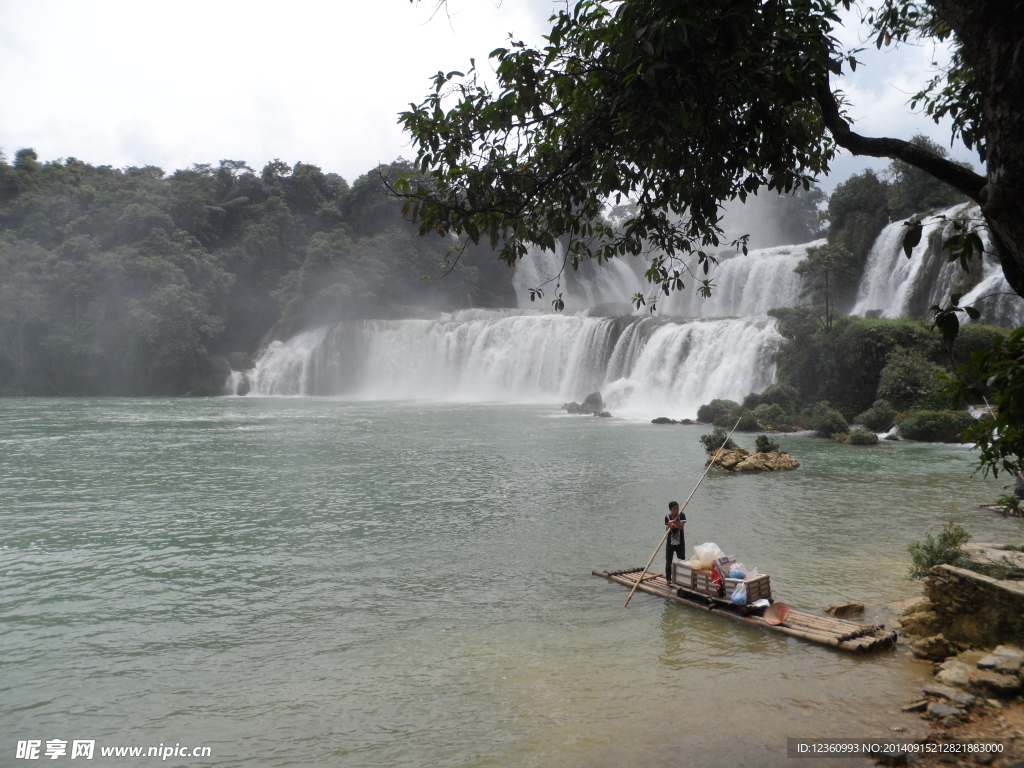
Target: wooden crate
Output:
[(682, 575), (756, 588), (702, 582)]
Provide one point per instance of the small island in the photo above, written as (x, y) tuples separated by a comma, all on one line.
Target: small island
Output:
[(724, 453)]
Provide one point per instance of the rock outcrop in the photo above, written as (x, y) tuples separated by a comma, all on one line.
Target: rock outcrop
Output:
[(845, 610), (918, 619), (973, 609), (966, 673), (740, 460), (1000, 561), (934, 648), (593, 404)]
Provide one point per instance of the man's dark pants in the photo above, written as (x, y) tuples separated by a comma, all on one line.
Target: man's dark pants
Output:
[(673, 549)]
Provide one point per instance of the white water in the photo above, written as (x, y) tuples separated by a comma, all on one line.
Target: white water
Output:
[(611, 283), (745, 286), (643, 365), (897, 286), (994, 298), (742, 286)]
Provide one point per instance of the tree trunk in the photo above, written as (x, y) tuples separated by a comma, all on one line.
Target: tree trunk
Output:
[(991, 33)]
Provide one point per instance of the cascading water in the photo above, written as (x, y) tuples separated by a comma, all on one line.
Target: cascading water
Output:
[(611, 283), (745, 286), (895, 286), (643, 365)]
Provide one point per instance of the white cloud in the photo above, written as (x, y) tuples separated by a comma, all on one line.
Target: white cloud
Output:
[(880, 91), (127, 83)]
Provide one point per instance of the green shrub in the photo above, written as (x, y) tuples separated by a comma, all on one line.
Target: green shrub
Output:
[(831, 423), (878, 417), (764, 444), (747, 421), (711, 412), (1011, 505), (935, 426), (910, 381), (946, 550), (974, 337), (714, 441), (770, 415), (782, 395), (863, 437), (844, 366), (825, 420)]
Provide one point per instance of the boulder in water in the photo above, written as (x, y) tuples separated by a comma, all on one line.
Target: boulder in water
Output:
[(846, 610), (742, 461), (728, 459), (863, 437), (663, 420), (858, 437), (592, 404)]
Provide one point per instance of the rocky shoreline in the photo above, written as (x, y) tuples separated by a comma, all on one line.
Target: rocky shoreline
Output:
[(970, 626)]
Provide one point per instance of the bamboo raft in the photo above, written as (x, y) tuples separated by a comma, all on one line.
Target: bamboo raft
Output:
[(824, 630)]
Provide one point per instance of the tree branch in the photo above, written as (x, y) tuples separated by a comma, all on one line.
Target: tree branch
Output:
[(957, 176)]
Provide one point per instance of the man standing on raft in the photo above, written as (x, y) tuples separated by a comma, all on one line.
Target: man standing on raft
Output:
[(676, 543)]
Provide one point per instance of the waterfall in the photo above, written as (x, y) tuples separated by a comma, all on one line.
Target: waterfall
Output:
[(896, 286), (695, 350), (614, 282), (993, 297), (744, 286), (643, 365)]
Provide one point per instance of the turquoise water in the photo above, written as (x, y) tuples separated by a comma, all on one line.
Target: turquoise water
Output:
[(298, 582)]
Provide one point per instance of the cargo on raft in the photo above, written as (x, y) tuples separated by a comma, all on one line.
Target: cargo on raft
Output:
[(698, 589)]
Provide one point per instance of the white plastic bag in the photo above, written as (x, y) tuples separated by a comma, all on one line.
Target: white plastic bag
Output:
[(737, 571), (751, 574), (704, 555), (739, 595)]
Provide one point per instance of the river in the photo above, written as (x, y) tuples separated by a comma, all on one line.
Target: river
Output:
[(313, 581)]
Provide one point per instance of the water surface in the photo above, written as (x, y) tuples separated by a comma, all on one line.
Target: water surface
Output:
[(302, 582)]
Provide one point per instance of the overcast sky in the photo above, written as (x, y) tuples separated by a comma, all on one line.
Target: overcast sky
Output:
[(124, 82)]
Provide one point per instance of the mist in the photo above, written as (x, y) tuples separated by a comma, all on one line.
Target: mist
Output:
[(135, 282)]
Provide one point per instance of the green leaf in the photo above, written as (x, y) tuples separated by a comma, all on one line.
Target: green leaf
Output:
[(913, 237), (974, 244), (948, 326)]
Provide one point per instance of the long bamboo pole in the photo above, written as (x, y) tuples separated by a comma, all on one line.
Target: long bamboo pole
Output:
[(668, 576)]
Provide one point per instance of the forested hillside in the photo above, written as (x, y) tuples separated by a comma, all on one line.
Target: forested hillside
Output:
[(133, 282)]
